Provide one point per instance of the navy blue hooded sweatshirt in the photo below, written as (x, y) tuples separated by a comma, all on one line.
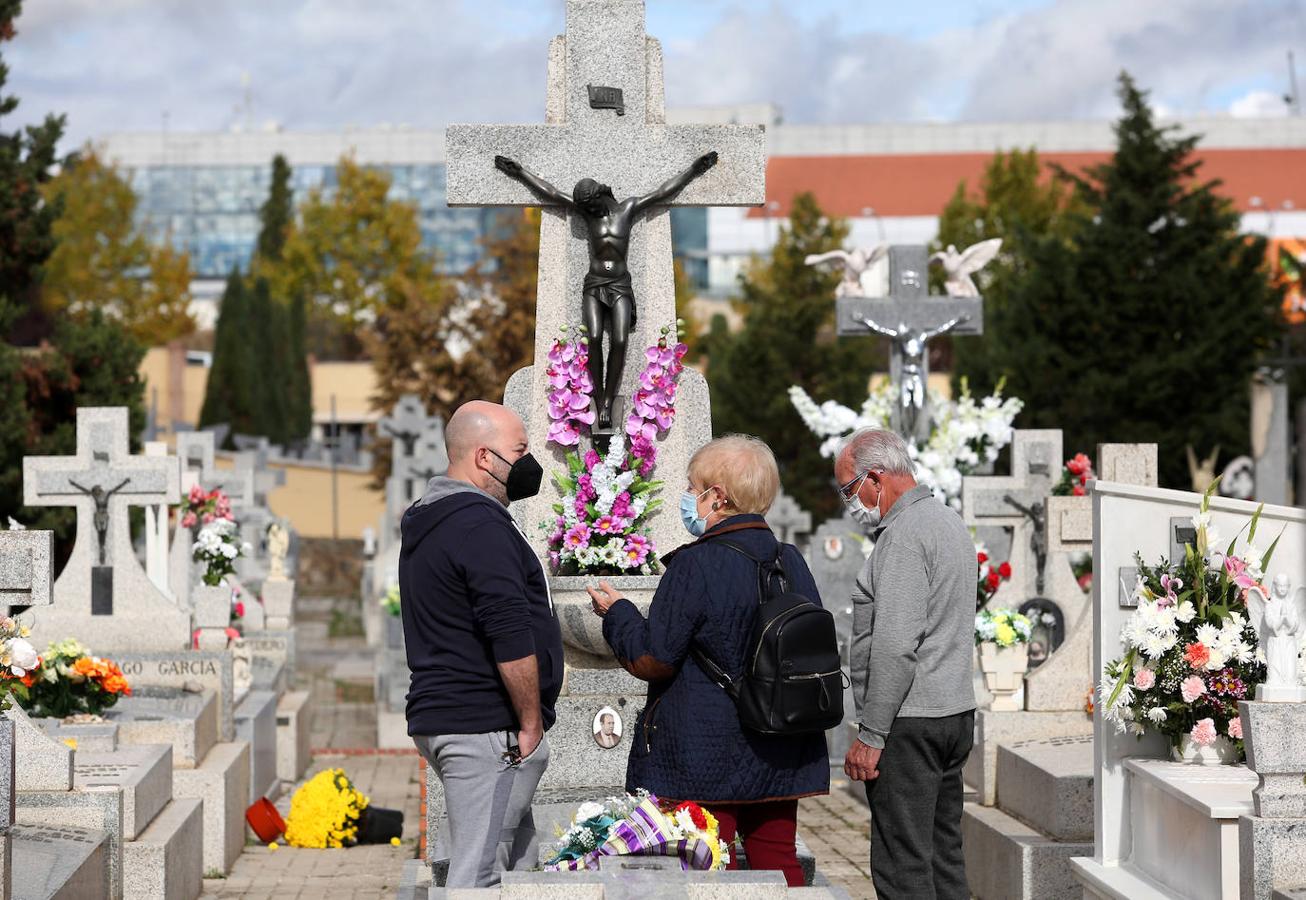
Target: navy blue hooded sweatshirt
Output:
[(472, 594)]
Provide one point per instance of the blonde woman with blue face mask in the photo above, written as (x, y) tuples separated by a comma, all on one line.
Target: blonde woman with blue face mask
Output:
[(688, 743)]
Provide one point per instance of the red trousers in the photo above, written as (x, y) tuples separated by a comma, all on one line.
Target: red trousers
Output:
[(768, 831)]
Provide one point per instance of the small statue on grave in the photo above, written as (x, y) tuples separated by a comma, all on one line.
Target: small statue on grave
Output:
[(101, 517), (278, 546), (1038, 536), (1280, 620), (855, 263), (608, 300), (958, 267), (911, 347)]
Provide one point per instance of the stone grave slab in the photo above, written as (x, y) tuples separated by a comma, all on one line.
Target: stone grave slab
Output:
[(256, 723), (90, 737), (210, 670), (166, 861), (1006, 858), (222, 783), (143, 773), (64, 862), (162, 715), (103, 594), (40, 764), (995, 728), (268, 675), (279, 604), (294, 732), (26, 568), (1048, 783), (97, 809)]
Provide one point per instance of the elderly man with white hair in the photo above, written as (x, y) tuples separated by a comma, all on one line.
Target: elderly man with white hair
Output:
[(912, 645)]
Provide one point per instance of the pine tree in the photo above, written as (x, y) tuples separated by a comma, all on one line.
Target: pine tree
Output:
[(1147, 324), (229, 393), (1017, 202), (27, 159), (788, 338)]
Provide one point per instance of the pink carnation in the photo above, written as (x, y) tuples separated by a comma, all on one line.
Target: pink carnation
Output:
[(188, 520), (1236, 728), (1203, 733), (1191, 688), (1144, 679)]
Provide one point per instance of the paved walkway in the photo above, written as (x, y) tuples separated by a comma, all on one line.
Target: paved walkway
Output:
[(337, 666)]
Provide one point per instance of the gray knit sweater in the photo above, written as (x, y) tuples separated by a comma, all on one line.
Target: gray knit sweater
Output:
[(914, 618)]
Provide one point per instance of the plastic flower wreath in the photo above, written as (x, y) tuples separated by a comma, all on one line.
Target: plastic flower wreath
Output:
[(1004, 627), (1075, 475), (965, 435), (69, 680), (325, 811), (600, 526), (1190, 653), (639, 825)]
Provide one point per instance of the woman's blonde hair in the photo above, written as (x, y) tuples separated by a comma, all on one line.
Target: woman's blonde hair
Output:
[(743, 466)]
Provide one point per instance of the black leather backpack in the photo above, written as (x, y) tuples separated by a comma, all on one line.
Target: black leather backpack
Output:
[(792, 682)]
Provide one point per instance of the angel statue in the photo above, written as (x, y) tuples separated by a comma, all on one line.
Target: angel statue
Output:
[(958, 267), (855, 263), (1280, 619), (607, 298), (909, 347), (278, 547)]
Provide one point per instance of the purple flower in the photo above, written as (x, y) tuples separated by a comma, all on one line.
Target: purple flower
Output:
[(592, 459), (564, 434), (555, 560), (577, 537), (637, 550), (621, 506)]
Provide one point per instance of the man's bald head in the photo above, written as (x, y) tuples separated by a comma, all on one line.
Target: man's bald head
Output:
[(483, 440)]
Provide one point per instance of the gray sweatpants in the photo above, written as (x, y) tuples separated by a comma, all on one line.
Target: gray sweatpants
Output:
[(488, 804)]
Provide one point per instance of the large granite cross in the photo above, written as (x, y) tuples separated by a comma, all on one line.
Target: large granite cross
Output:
[(912, 314), (195, 449), (633, 150), (1016, 501), (407, 424), (114, 605)]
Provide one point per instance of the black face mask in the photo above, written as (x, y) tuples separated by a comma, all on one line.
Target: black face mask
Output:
[(524, 477)]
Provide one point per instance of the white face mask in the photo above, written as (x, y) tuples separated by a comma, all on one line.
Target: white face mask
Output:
[(870, 518)]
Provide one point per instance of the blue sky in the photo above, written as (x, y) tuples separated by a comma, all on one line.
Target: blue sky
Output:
[(121, 65)]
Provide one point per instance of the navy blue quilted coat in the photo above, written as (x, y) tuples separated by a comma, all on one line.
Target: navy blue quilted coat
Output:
[(688, 743)]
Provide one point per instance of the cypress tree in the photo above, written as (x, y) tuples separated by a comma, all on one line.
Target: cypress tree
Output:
[(299, 418), (268, 354), (277, 212), (1146, 324), (229, 393)]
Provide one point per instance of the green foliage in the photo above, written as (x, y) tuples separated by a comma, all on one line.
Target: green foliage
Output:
[(27, 159), (277, 213), (788, 338), (269, 341), (101, 257), (229, 392), (92, 361), (1017, 202), (299, 411), (1147, 323)]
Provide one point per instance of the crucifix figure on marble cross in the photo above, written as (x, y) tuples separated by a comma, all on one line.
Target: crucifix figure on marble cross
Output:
[(1009, 501), (101, 466), (605, 60), (608, 300), (195, 449), (407, 424), (910, 318)]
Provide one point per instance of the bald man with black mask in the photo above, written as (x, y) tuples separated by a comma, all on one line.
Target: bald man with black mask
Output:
[(483, 643)]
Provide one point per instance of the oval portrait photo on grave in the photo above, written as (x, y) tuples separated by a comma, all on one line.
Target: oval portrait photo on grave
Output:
[(607, 728)]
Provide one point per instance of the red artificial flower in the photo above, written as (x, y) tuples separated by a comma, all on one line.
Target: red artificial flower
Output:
[(240, 610), (993, 581), (1005, 570), (1197, 655), (983, 558), (695, 813), (1078, 491)]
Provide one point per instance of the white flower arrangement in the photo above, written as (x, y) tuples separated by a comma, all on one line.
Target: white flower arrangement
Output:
[(965, 435), (218, 546)]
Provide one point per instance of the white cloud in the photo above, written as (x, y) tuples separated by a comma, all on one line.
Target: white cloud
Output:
[(1258, 105), (117, 65)]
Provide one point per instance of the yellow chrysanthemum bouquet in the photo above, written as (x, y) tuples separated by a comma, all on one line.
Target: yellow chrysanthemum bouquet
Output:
[(329, 811)]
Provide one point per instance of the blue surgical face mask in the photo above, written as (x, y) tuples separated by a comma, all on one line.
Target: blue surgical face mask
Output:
[(694, 523)]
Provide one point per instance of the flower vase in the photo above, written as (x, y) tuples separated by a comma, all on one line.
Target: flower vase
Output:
[(1004, 673), (1221, 753)]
